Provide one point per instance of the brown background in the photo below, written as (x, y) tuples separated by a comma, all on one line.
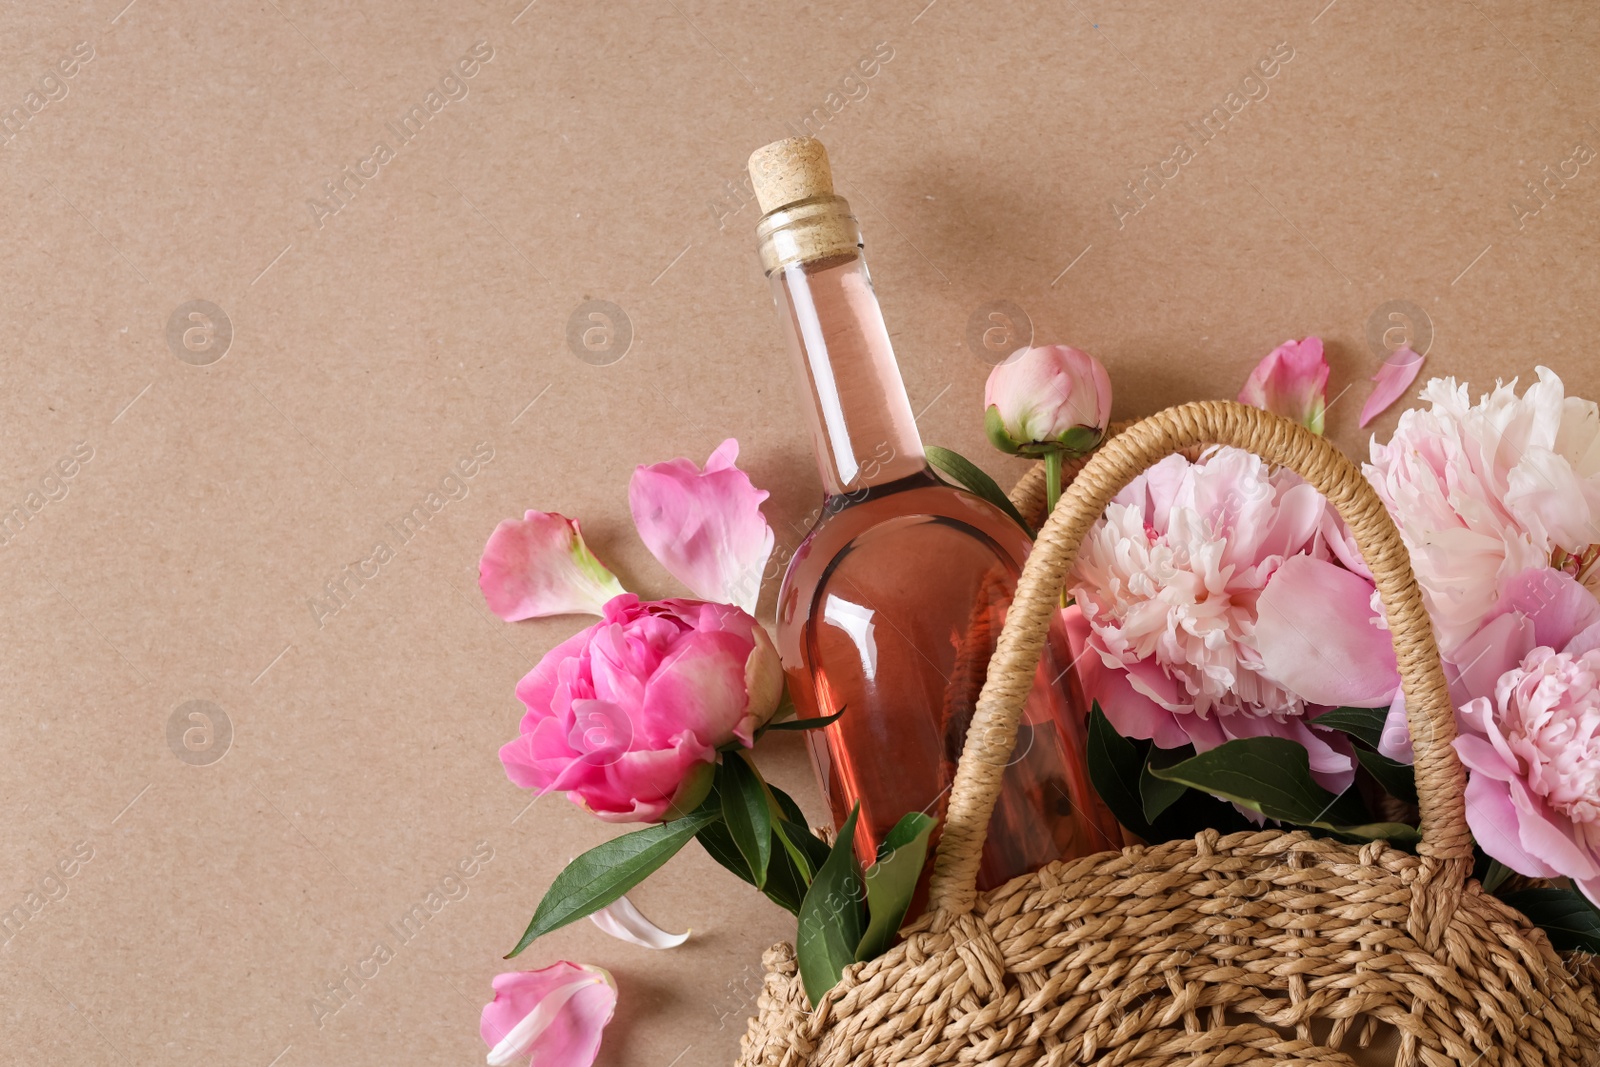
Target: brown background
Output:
[(374, 347)]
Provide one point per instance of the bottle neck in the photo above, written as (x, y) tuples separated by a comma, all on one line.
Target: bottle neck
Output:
[(860, 418)]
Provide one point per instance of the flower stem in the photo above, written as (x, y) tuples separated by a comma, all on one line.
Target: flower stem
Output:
[(1052, 483), (1052, 495)]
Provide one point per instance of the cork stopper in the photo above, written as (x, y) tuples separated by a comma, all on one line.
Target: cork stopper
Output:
[(785, 172)]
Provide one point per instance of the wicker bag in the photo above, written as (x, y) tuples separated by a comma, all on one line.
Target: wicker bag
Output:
[(1261, 947)]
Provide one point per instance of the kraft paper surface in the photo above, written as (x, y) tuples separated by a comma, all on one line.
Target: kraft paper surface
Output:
[(302, 299)]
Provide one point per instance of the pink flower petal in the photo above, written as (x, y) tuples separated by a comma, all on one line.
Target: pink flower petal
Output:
[(1495, 825), (1395, 739), (1480, 757), (1557, 605), (1130, 712), (1203, 734), (551, 1017), (1393, 379), (1317, 637), (1549, 837), (705, 525), (1477, 664), (539, 565), (1292, 380)]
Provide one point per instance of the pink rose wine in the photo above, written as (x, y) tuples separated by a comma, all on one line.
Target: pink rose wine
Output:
[(892, 604)]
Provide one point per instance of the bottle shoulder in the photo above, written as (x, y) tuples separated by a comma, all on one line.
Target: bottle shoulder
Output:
[(919, 530)]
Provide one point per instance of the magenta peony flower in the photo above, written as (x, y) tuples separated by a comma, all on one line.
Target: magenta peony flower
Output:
[(627, 716), (552, 1017), (1292, 381), (705, 525), (1047, 399), (1483, 492), (1222, 599)]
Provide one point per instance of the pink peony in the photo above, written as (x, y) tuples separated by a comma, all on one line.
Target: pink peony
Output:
[(1483, 492), (1051, 398), (1222, 599), (627, 716), (551, 1017), (1292, 381), (705, 525), (1533, 753), (1528, 724)]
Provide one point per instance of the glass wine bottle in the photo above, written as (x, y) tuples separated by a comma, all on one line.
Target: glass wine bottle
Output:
[(892, 604)]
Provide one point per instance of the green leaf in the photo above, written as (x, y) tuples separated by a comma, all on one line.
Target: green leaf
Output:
[(746, 813), (970, 476), (1396, 833), (1272, 775), (1398, 779), (1566, 915), (605, 872), (719, 845), (1115, 765), (1156, 795), (830, 917), (808, 851), (892, 881), (1363, 724), (994, 427), (1081, 440), (801, 724), (785, 887), (787, 882), (791, 811), (1495, 876)]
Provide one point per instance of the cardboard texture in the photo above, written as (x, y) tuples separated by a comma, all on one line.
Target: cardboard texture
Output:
[(276, 274)]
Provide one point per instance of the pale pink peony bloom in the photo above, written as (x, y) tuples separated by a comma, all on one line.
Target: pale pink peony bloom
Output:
[(1532, 748), (1391, 381), (1292, 381), (552, 1017), (626, 717), (1483, 492), (1215, 605), (705, 525), (1051, 398), (539, 565)]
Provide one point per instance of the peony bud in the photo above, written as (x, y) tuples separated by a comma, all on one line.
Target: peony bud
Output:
[(1047, 399)]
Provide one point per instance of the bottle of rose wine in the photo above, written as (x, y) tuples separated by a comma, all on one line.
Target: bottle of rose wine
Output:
[(892, 604)]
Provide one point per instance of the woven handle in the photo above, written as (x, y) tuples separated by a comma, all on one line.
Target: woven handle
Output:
[(1441, 781)]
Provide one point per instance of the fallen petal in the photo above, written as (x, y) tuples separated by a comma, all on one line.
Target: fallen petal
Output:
[(1292, 380), (705, 525), (1393, 379), (625, 922), (539, 565), (551, 1017)]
